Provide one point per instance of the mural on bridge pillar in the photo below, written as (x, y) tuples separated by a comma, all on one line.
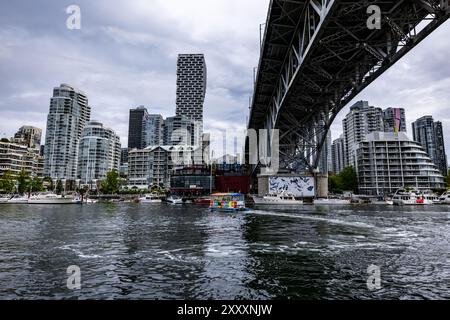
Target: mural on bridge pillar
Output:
[(297, 186)]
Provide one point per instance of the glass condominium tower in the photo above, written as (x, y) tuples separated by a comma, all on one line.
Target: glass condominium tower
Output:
[(99, 152), (68, 114), (191, 88)]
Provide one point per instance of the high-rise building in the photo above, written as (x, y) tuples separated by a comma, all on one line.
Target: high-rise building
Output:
[(430, 135), (123, 156), (389, 161), (191, 88), (68, 114), (29, 136), (394, 120), (337, 155), (153, 131), (136, 128), (99, 152), (325, 162), (360, 121), (180, 130)]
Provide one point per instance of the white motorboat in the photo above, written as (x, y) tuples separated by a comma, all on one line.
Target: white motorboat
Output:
[(431, 198), (277, 199), (382, 201), (88, 200), (150, 198), (404, 197), (331, 201), (17, 199), (51, 198), (445, 198), (4, 200), (174, 200)]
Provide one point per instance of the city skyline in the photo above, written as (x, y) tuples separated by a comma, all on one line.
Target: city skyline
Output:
[(122, 63)]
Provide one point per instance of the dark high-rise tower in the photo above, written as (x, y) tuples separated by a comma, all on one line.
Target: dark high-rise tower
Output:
[(430, 135), (136, 128), (191, 87)]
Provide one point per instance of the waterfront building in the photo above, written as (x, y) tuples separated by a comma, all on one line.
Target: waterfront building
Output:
[(123, 156), (325, 162), (360, 121), (153, 130), (337, 155), (136, 127), (68, 114), (191, 89), (16, 157), (99, 152), (29, 136), (153, 165), (193, 180), (430, 135), (180, 130), (394, 120), (191, 86), (389, 161)]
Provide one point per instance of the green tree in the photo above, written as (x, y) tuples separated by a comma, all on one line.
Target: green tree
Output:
[(335, 184), (349, 179), (37, 185), (49, 182), (59, 187), (111, 184), (23, 182), (7, 182)]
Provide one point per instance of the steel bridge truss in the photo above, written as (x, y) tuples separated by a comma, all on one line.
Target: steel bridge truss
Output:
[(317, 55)]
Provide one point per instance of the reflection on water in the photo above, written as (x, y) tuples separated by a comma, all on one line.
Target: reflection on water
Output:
[(159, 251)]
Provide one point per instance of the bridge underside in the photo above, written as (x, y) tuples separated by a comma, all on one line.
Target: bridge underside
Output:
[(318, 55)]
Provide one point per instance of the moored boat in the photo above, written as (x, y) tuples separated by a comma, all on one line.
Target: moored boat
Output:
[(277, 199), (331, 201), (174, 200), (18, 199), (51, 198), (3, 200), (150, 198), (404, 197), (203, 201), (227, 202), (445, 198)]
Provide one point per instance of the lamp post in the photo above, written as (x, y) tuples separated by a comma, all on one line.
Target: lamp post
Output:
[(211, 164)]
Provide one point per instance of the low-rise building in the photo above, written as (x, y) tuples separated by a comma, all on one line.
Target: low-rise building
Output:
[(389, 161), (152, 166), (16, 157)]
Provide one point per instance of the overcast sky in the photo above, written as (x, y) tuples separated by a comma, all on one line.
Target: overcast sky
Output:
[(125, 56)]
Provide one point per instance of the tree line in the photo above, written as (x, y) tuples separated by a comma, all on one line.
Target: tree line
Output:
[(24, 183)]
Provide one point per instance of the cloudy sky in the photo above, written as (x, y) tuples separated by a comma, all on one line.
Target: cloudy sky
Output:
[(125, 56)]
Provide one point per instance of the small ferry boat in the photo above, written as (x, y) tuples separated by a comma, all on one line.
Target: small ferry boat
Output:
[(150, 198), (445, 198), (404, 197), (277, 199), (51, 198), (174, 200), (228, 202)]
